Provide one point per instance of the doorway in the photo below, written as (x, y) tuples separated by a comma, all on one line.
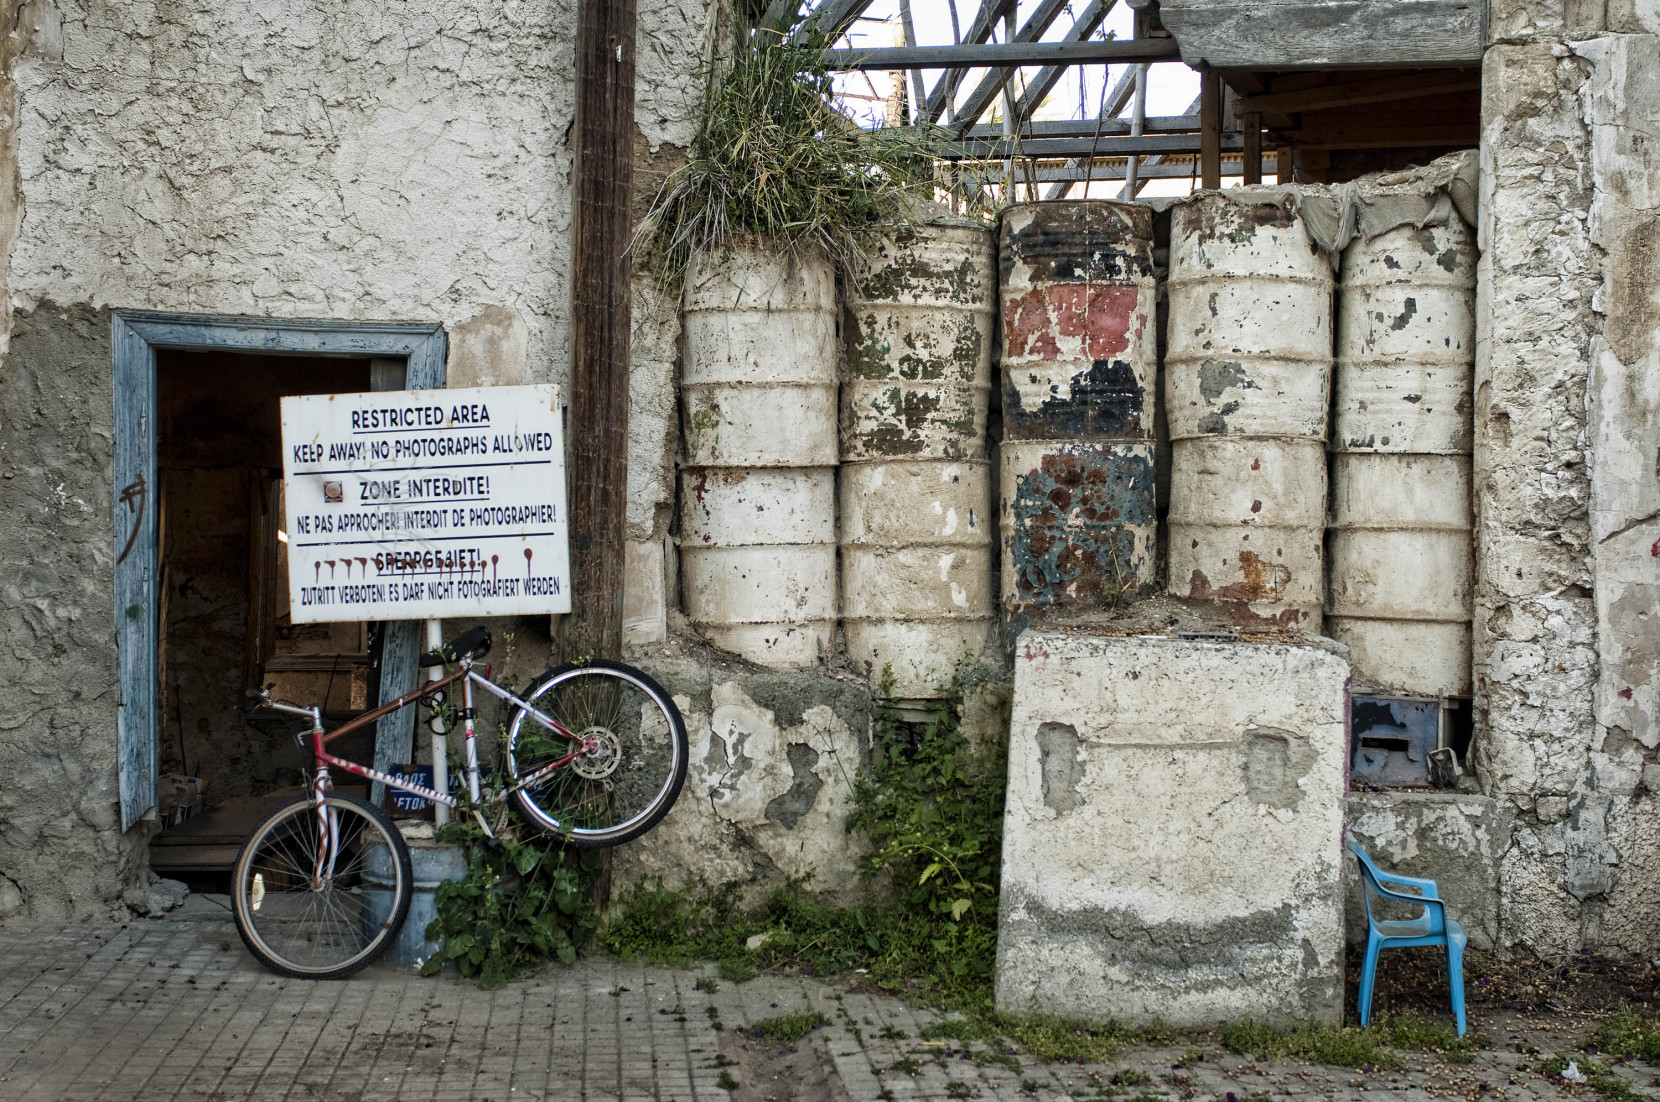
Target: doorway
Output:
[(200, 586), (223, 623)]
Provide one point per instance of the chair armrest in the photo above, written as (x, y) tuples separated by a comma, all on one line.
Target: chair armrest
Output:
[(1425, 901), (1427, 887)]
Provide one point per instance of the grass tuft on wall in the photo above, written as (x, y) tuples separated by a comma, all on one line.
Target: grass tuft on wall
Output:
[(774, 159)]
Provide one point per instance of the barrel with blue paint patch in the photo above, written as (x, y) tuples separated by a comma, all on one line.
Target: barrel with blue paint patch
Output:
[(1079, 523), (1077, 510)]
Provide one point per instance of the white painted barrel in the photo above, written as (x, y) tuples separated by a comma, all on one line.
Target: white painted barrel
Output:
[(1406, 342), (1402, 570), (1247, 521), (758, 388), (758, 561), (1400, 574), (1248, 370), (920, 317), (917, 590), (1249, 343), (1078, 521)]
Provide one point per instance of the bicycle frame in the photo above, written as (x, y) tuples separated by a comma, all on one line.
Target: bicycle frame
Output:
[(464, 673)]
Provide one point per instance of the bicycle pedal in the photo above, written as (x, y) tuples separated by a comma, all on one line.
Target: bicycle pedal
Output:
[(495, 845)]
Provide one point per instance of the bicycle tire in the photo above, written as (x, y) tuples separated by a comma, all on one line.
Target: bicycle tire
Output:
[(322, 933), (604, 798)]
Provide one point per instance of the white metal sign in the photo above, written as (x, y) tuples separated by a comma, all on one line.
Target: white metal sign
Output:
[(422, 504)]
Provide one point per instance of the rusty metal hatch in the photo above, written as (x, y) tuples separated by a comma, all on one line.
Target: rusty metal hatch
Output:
[(1393, 740)]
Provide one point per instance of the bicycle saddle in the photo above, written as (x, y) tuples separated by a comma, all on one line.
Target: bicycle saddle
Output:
[(471, 644)]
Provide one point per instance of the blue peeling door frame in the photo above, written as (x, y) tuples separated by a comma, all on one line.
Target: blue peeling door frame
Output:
[(135, 568), (135, 336)]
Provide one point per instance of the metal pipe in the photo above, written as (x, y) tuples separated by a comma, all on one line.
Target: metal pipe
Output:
[(1138, 119), (440, 736)]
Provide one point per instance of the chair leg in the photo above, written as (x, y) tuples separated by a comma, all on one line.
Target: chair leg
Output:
[(1368, 975), (1455, 980)]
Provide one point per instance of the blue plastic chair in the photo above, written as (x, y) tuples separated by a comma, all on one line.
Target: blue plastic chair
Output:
[(1432, 927)]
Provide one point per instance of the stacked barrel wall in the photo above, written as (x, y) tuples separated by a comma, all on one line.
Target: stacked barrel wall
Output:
[(1248, 376), (1077, 506), (758, 498), (1401, 569), (916, 498)]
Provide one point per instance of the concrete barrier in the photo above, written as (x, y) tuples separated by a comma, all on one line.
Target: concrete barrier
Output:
[(1171, 847)]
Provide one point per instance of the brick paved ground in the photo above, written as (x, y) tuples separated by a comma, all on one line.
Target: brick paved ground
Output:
[(176, 1009)]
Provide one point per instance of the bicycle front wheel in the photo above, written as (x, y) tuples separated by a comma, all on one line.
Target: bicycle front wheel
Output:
[(320, 895), (627, 782)]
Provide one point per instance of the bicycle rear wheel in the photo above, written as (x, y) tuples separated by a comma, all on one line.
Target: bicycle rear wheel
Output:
[(620, 789), (318, 902)]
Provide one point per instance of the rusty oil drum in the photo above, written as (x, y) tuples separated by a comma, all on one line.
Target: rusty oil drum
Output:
[(917, 563), (920, 313), (1400, 575), (1079, 360), (1078, 522), (1078, 304)]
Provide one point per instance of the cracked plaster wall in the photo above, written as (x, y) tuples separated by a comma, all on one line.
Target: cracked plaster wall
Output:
[(355, 159), (1568, 467), (773, 761)]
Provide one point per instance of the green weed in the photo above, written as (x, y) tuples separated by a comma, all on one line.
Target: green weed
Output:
[(525, 900), (774, 159), (786, 1029), (1629, 1035), (1349, 1048), (1373, 1046)]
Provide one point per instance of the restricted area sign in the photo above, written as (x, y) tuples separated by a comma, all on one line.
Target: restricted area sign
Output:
[(425, 504)]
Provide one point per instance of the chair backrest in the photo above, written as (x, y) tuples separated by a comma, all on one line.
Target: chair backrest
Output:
[(1369, 877)]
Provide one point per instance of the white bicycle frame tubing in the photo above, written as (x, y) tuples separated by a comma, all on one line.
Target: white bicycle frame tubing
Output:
[(322, 784)]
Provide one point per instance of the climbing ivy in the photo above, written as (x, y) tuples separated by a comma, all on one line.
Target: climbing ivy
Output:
[(526, 899), (932, 806)]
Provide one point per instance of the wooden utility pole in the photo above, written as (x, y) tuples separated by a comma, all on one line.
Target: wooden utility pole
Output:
[(1252, 122), (1210, 129), (603, 227)]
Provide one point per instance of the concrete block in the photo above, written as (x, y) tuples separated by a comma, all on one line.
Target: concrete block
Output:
[(1171, 846), (1454, 839), (772, 764)]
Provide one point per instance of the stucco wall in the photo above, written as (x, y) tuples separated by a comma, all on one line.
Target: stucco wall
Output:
[(354, 159), (1568, 475)]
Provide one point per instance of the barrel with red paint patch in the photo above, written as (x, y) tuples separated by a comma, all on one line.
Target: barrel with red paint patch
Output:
[(1078, 516), (1078, 308)]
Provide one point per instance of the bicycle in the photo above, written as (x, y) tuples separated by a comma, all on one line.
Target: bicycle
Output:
[(322, 886)]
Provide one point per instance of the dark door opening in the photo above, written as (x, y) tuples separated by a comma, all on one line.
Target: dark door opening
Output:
[(223, 623)]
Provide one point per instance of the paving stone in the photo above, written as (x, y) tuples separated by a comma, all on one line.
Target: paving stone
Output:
[(175, 1008)]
